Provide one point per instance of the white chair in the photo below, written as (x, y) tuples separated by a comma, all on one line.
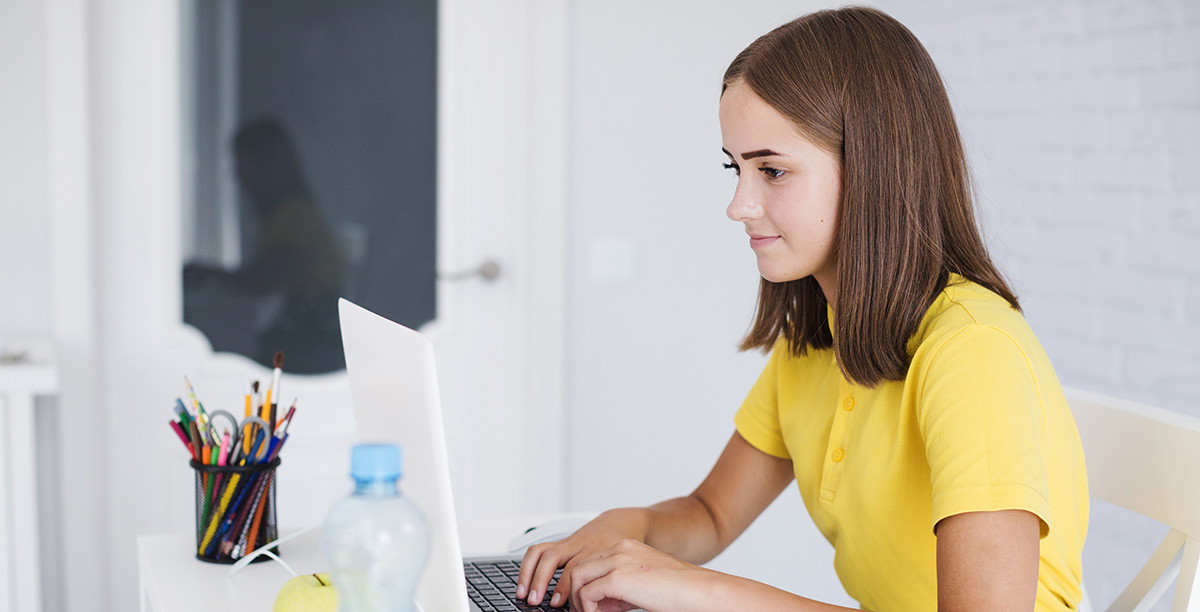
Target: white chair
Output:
[(1147, 460)]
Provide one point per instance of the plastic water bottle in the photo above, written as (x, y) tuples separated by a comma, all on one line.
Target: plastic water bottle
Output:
[(376, 540)]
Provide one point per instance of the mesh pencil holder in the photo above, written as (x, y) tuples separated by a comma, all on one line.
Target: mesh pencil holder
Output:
[(235, 510)]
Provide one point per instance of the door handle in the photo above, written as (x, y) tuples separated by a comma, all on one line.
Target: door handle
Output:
[(489, 271)]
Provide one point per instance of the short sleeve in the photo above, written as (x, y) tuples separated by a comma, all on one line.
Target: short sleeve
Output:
[(981, 418), (758, 419)]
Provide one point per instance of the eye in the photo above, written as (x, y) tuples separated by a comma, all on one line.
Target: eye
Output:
[(733, 167), (772, 173)]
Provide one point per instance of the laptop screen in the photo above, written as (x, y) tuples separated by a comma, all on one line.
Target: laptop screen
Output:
[(393, 385)]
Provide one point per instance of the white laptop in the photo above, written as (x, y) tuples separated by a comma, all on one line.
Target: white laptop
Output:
[(393, 384)]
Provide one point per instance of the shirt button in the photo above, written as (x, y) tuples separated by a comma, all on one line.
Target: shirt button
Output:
[(848, 404), (837, 455)]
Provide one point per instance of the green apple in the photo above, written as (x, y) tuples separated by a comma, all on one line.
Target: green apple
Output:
[(307, 593)]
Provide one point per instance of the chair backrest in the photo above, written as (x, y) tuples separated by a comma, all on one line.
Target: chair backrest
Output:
[(1147, 460)]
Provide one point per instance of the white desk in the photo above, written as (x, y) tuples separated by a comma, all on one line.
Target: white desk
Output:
[(20, 383), (170, 576)]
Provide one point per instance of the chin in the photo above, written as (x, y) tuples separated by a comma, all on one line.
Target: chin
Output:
[(776, 273), (777, 277)]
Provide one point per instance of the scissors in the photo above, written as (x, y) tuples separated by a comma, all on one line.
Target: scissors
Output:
[(253, 452), (235, 433)]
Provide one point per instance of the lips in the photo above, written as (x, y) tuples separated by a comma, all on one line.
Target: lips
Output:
[(758, 242)]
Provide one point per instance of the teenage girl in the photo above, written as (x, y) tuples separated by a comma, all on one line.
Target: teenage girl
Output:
[(905, 394)]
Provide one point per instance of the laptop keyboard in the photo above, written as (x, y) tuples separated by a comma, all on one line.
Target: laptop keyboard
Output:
[(492, 585)]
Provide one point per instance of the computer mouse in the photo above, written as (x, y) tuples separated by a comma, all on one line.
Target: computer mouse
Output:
[(546, 532)]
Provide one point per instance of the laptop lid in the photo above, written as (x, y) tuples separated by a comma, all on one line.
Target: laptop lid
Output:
[(393, 385)]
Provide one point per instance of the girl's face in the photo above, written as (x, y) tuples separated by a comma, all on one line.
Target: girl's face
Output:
[(788, 190)]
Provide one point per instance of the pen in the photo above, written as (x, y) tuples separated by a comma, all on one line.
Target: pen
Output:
[(253, 456), (214, 519), (251, 540), (252, 536), (228, 517), (241, 541), (238, 525), (279, 447), (181, 410), (182, 436), (271, 449)]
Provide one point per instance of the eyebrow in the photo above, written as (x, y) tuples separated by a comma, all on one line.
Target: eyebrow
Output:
[(753, 154)]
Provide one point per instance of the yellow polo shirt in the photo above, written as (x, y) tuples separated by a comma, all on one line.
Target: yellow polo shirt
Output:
[(979, 423)]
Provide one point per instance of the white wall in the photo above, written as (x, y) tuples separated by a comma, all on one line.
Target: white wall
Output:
[(661, 285), (1082, 122), (24, 218)]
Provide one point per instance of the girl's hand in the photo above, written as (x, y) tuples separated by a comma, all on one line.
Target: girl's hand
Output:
[(542, 560), (633, 575)]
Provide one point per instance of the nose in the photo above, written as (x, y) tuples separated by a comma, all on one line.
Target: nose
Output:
[(744, 205)]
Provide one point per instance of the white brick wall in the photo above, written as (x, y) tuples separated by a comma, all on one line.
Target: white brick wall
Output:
[(1082, 120)]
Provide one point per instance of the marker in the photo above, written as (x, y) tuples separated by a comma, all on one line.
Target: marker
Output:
[(224, 450), (182, 436)]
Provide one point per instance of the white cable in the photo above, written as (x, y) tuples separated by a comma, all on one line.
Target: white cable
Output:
[(266, 550)]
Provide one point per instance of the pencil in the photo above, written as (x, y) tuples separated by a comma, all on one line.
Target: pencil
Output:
[(249, 403), (214, 521), (227, 518), (233, 543), (201, 415), (195, 434), (251, 541), (252, 537)]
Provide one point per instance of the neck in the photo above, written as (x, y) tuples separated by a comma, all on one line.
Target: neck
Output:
[(827, 279)]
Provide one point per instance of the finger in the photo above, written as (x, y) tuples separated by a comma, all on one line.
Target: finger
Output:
[(550, 558), (563, 591), (535, 557), (587, 571), (602, 590), (529, 564), (542, 575)]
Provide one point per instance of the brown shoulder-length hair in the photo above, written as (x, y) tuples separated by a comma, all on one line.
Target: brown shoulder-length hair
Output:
[(858, 83)]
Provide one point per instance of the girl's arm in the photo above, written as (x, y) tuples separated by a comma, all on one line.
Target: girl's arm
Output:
[(740, 486), (986, 561), (695, 528)]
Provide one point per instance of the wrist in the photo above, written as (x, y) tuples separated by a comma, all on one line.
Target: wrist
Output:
[(704, 589), (632, 523)]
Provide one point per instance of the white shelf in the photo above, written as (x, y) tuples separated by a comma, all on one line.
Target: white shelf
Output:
[(20, 384)]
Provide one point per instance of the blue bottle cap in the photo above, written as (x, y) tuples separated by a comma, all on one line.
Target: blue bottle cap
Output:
[(375, 462)]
